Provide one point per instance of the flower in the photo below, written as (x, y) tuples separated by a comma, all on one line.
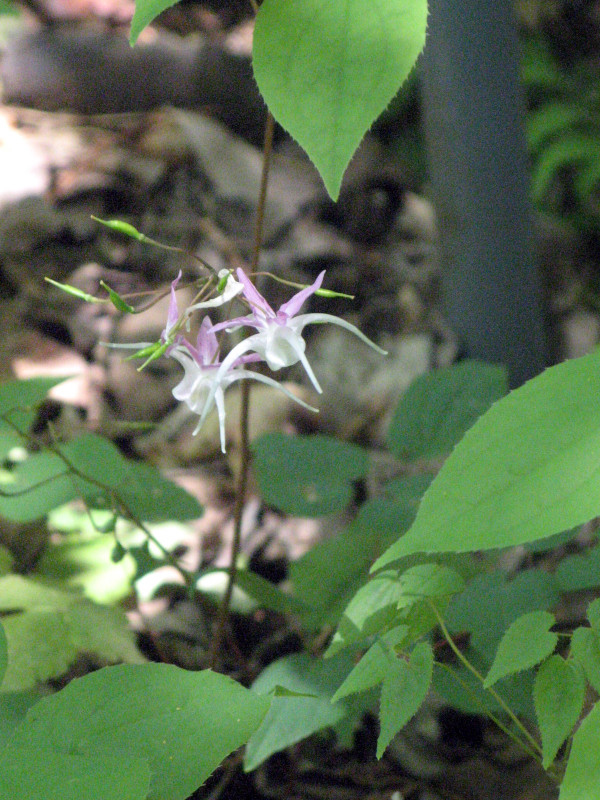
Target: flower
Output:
[(204, 382), (279, 339), (231, 288)]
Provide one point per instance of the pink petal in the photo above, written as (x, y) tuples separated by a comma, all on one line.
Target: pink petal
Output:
[(293, 306), (173, 314), (253, 296)]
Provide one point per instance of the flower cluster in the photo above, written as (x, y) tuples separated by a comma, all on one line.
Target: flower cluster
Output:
[(278, 341)]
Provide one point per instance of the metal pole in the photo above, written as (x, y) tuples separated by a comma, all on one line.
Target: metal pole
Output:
[(474, 110)]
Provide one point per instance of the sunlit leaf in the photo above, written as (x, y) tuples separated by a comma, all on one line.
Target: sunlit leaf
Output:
[(582, 776), (527, 641), (529, 468), (327, 70), (182, 723), (558, 693)]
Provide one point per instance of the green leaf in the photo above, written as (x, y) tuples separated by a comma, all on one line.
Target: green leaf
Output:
[(145, 12), (577, 149), (266, 594), (579, 571), (439, 408), (373, 666), (25, 394), (582, 776), (404, 689), (151, 497), (25, 774), (526, 642), (551, 119), (324, 470), (326, 578), (3, 654), (291, 719), (327, 70), (529, 468), (183, 723), (585, 648), (13, 707), (47, 629), (558, 694)]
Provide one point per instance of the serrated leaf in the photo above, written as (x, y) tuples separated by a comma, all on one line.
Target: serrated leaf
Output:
[(593, 614), (373, 666), (376, 604), (49, 628), (183, 723), (558, 695), (404, 689), (527, 641), (291, 719), (145, 12), (439, 407), (585, 648), (324, 471), (62, 776), (529, 468), (582, 775), (327, 70)]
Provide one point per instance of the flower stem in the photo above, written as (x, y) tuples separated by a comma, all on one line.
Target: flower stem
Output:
[(242, 479)]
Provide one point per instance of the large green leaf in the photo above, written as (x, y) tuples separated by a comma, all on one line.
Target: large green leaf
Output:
[(527, 641), (291, 719), (48, 628), (307, 476), (404, 688), (182, 723), (558, 693), (439, 408), (65, 776), (582, 776), (328, 69), (529, 468)]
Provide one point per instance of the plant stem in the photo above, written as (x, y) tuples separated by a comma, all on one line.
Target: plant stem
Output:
[(242, 479), (467, 664)]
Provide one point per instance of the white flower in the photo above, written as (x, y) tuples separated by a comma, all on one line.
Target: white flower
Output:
[(204, 383), (231, 288)]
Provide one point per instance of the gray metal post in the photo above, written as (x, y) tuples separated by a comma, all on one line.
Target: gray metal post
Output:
[(473, 108)]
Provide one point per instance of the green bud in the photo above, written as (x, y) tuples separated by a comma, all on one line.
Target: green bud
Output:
[(89, 298), (148, 351), (117, 300), (223, 283), (153, 356), (331, 293), (121, 227)]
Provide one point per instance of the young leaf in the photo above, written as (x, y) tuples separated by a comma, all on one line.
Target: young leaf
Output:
[(183, 723), (404, 689), (582, 776), (328, 69), (293, 718), (529, 468), (324, 470), (527, 642), (26, 775), (373, 666), (439, 408), (585, 648), (558, 695)]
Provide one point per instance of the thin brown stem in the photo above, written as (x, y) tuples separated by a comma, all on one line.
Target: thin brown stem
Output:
[(242, 480)]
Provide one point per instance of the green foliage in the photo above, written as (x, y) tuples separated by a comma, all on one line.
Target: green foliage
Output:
[(152, 719), (563, 131), (291, 719), (66, 776), (439, 408), (527, 469), (47, 629), (582, 776), (532, 628), (404, 688), (558, 694), (327, 70), (323, 471), (3, 654)]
